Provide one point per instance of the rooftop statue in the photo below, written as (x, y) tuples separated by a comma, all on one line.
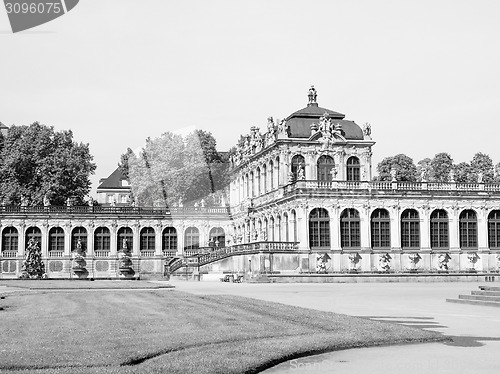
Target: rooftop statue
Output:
[(367, 131), (312, 94)]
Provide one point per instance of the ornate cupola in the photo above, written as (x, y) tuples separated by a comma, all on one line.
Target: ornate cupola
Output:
[(299, 123)]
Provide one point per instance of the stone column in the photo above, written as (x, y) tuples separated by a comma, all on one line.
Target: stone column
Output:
[(482, 240), (334, 229), (482, 230), (45, 240), (90, 240), (113, 245), (365, 225), (22, 240), (454, 230), (67, 239), (136, 229), (180, 239), (158, 239), (425, 228), (302, 228)]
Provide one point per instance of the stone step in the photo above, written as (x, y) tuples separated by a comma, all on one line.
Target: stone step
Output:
[(486, 293), (474, 302), (479, 297), (489, 288)]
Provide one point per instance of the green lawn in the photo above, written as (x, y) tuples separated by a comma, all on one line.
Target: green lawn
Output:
[(167, 331)]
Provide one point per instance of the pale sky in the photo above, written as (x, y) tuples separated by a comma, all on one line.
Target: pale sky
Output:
[(424, 74)]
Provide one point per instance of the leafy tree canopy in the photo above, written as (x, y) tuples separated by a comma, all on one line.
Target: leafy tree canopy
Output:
[(441, 165), (464, 173), (172, 169), (403, 165), (37, 161), (482, 164)]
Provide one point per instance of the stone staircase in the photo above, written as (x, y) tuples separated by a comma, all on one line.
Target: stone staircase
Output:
[(487, 295)]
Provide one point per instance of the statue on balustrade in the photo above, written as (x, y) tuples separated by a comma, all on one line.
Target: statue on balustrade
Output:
[(367, 131)]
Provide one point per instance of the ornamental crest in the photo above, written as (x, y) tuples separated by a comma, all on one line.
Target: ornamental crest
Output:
[(330, 132)]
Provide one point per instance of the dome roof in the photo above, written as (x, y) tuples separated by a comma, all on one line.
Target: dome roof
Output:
[(299, 123)]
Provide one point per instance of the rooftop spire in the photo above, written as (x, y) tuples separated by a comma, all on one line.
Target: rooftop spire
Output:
[(312, 97)]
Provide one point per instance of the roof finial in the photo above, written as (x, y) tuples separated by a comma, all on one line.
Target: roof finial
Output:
[(312, 96)]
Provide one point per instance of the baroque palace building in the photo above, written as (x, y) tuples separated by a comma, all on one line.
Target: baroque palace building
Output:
[(301, 201)]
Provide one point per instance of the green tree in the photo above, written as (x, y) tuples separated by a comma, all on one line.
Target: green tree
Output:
[(464, 173), (424, 169), (482, 163), (170, 169), (441, 165), (38, 161), (402, 164)]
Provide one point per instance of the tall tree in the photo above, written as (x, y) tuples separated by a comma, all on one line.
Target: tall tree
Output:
[(464, 173), (170, 169), (38, 161), (441, 165), (424, 170), (403, 165), (482, 164)]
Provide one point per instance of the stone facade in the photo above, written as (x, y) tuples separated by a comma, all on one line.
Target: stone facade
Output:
[(301, 200)]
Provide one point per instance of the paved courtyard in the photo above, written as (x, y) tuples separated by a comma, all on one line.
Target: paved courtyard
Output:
[(475, 330)]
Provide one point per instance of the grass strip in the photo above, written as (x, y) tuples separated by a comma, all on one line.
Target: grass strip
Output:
[(158, 331)]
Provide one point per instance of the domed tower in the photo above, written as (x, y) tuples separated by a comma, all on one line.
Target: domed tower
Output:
[(313, 144)]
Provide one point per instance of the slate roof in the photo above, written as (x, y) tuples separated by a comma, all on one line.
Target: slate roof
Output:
[(300, 122), (114, 181)]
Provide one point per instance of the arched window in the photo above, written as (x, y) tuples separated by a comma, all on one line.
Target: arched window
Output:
[(325, 166), (102, 239), (217, 237), (278, 229), (298, 161), (468, 229), (277, 171), (33, 233), (257, 181), (271, 229), (147, 239), (252, 185), (247, 190), (271, 175), (56, 239), (79, 233), (494, 229), (264, 178), (10, 239), (353, 168), (285, 223), (125, 235), (381, 229), (319, 229), (350, 234), (439, 229), (169, 239), (191, 238), (410, 229)]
